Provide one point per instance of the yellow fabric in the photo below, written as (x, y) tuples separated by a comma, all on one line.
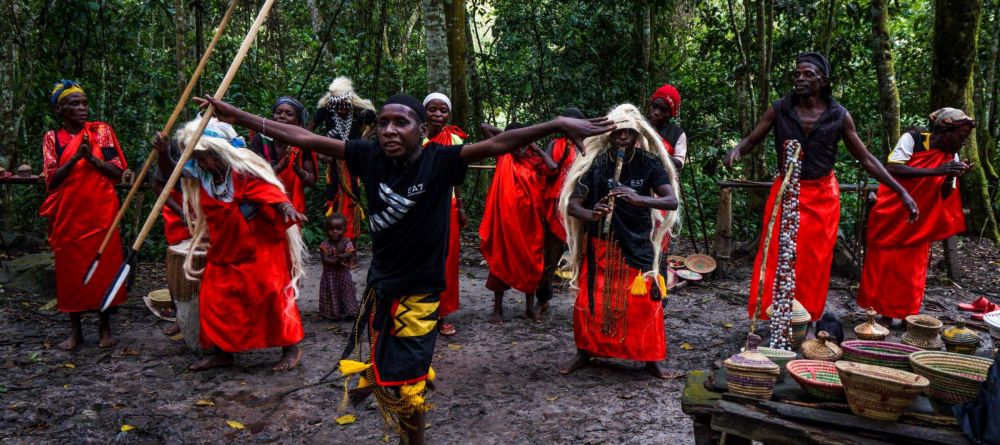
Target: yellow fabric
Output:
[(66, 92), (662, 285), (414, 317), (413, 395), (431, 375), (351, 367), (639, 285)]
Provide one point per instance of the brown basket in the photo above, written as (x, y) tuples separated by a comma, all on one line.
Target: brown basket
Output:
[(181, 288), (750, 373), (870, 330), (924, 332), (877, 392), (821, 348)]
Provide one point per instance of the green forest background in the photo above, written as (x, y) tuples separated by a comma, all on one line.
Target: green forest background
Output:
[(500, 60)]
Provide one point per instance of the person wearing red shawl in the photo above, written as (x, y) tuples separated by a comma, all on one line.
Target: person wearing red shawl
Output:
[(810, 115), (613, 203), (82, 162), (513, 226), (296, 168), (239, 211), (897, 255), (438, 108)]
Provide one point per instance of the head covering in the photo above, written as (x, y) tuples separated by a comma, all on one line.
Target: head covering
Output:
[(573, 112), (300, 109), (948, 118), (815, 59), (342, 89), (438, 96), (62, 89), (216, 129), (671, 96), (410, 102)]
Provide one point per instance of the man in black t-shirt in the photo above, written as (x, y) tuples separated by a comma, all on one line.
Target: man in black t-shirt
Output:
[(409, 193)]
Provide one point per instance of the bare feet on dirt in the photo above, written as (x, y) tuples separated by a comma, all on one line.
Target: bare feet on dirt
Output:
[(290, 357), (71, 342), (578, 361), (542, 308), (531, 314), (172, 330), (496, 317), (660, 370), (107, 340), (216, 360)]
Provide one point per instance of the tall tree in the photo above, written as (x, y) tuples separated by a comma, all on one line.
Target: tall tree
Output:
[(438, 71), (885, 71), (765, 45), (454, 14), (985, 84), (956, 28), (180, 44)]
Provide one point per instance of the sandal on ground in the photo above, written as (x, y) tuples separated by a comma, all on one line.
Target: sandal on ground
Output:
[(448, 329), (978, 305), (978, 316)]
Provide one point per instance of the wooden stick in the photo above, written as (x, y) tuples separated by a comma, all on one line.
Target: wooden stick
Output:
[(166, 130), (186, 154)]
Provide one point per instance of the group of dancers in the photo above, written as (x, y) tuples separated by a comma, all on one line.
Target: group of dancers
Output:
[(604, 190)]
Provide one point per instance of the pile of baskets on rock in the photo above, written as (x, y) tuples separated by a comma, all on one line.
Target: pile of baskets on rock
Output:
[(877, 378)]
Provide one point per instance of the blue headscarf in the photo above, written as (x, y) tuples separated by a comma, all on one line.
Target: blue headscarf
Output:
[(299, 108), (62, 89)]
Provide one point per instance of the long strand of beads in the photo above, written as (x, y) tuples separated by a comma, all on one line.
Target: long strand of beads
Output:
[(784, 282)]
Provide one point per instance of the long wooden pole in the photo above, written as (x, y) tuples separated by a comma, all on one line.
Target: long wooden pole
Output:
[(186, 154), (166, 130)]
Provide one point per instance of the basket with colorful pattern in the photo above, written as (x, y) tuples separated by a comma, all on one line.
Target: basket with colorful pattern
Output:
[(780, 357), (955, 378), (818, 378), (800, 322), (960, 339), (750, 373), (879, 353), (877, 392)]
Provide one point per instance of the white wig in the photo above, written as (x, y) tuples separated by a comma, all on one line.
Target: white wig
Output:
[(625, 116), (343, 89), (217, 138)]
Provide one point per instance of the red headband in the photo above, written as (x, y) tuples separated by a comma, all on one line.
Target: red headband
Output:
[(669, 95)]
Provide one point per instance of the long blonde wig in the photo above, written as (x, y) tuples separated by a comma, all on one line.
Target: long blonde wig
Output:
[(242, 161), (342, 88), (625, 116)]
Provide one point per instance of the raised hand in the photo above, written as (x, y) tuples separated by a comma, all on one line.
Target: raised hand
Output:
[(732, 157), (579, 129), (223, 111), (160, 143)]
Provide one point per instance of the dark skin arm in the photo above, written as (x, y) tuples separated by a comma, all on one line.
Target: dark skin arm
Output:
[(507, 141), (874, 167), (953, 168), (161, 144), (546, 158), (61, 173), (747, 144), (329, 257), (664, 200), (104, 167), (678, 164)]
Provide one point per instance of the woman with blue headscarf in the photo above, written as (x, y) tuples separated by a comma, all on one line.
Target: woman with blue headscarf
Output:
[(295, 167)]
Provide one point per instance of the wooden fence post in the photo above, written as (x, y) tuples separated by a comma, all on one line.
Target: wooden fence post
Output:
[(723, 232)]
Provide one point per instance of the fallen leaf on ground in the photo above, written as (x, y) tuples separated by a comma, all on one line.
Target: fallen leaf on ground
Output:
[(454, 347), (69, 365), (204, 403), (346, 419), (235, 425), (51, 304), (66, 386), (727, 325), (126, 428), (552, 398), (176, 337), (129, 351), (687, 346)]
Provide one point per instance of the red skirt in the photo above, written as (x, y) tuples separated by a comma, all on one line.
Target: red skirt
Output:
[(72, 262), (644, 338), (893, 280), (819, 215), (449, 298)]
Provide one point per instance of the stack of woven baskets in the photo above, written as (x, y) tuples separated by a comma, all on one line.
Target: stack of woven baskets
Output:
[(750, 373)]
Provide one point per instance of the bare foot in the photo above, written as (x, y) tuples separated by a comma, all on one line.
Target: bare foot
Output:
[(71, 342), (172, 330), (660, 371), (290, 357), (578, 361), (531, 314), (542, 308), (496, 317), (107, 340), (216, 360)]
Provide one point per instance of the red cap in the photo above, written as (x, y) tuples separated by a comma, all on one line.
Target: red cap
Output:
[(669, 94)]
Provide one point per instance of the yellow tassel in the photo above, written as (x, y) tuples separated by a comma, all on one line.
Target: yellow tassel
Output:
[(639, 285), (431, 375), (351, 367), (363, 382), (662, 284), (344, 400), (413, 394)]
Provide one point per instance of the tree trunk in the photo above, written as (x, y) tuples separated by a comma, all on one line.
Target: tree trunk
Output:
[(956, 25), (885, 70), (438, 72), (317, 24), (827, 39), (475, 82), (180, 28), (199, 33), (454, 14), (765, 33), (645, 36), (984, 96)]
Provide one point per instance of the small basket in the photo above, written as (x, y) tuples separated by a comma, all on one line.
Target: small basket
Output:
[(818, 379), (750, 373), (879, 353), (877, 392), (992, 320), (924, 332), (821, 348), (780, 357), (960, 339), (870, 330), (800, 323), (955, 378)]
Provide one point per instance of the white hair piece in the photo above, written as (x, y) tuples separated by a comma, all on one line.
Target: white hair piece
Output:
[(342, 88)]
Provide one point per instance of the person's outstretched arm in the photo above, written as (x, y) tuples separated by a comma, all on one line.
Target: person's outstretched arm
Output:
[(288, 134), (507, 141), (873, 166), (745, 146)]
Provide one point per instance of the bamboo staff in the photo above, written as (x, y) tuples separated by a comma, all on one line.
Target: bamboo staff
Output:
[(186, 154), (166, 130)]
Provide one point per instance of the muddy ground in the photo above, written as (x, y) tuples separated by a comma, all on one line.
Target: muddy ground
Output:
[(497, 383)]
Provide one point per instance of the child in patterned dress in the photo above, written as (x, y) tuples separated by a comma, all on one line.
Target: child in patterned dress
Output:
[(337, 294)]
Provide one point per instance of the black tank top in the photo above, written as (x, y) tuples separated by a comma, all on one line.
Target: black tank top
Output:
[(820, 146)]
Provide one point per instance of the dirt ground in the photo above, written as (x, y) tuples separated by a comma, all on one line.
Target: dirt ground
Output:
[(497, 383)]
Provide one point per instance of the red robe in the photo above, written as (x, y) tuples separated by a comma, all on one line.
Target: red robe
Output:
[(343, 203), (512, 229), (80, 211), (174, 228), (450, 135), (819, 215), (644, 338), (243, 301), (561, 147), (895, 271), (294, 187)]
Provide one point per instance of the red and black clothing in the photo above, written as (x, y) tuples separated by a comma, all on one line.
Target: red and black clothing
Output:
[(451, 135), (294, 186)]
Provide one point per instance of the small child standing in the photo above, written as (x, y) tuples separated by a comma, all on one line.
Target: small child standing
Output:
[(337, 293)]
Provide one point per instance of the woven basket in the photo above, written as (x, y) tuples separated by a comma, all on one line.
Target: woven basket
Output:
[(870, 330), (780, 357), (181, 288), (924, 332), (955, 378), (992, 320), (821, 348), (800, 323), (818, 379), (877, 392), (960, 339), (879, 353), (750, 373)]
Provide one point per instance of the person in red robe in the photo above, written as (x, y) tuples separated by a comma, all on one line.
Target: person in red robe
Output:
[(175, 228), (296, 168), (612, 203), (438, 107), (897, 255), (513, 226), (810, 115), (82, 162), (239, 210)]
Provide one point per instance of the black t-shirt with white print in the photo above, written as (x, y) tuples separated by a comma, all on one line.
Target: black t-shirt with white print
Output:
[(408, 214)]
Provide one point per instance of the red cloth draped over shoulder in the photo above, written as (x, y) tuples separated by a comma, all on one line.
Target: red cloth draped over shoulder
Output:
[(444, 137), (512, 229), (294, 187), (80, 211), (895, 270), (175, 229), (564, 153), (450, 296), (244, 303), (819, 216)]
